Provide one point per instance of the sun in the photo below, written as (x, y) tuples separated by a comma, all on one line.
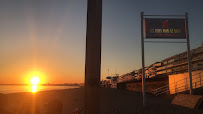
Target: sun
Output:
[(34, 80)]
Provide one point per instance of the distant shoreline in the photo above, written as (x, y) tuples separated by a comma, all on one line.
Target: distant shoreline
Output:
[(44, 84), (7, 89)]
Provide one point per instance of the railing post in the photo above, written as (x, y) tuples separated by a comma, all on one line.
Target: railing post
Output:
[(200, 79), (186, 84), (195, 84), (176, 87)]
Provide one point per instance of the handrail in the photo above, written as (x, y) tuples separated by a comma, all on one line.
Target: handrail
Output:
[(183, 86), (165, 88), (188, 77), (180, 80)]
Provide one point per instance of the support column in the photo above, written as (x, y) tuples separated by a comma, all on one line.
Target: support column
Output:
[(93, 57)]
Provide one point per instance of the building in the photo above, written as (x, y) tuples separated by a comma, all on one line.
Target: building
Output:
[(179, 64), (175, 64)]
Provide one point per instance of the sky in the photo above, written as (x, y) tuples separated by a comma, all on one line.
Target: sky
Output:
[(47, 37)]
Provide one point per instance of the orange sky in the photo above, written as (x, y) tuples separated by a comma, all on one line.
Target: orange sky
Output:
[(50, 67), (23, 74), (48, 36)]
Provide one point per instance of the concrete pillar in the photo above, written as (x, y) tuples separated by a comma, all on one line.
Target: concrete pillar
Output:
[(93, 57)]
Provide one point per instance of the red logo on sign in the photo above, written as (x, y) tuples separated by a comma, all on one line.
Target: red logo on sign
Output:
[(165, 24)]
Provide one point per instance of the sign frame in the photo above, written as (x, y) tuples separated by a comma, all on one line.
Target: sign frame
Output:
[(167, 26), (142, 48)]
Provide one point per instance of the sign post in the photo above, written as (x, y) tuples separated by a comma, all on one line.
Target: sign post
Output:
[(188, 54), (143, 63), (164, 28)]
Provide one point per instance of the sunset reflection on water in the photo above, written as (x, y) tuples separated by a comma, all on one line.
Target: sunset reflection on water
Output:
[(34, 88)]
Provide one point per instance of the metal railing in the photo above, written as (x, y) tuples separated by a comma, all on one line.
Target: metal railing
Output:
[(181, 85)]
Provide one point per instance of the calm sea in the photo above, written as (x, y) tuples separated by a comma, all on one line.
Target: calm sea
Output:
[(16, 88)]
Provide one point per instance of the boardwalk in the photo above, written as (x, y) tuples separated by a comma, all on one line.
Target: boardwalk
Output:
[(112, 102), (126, 102)]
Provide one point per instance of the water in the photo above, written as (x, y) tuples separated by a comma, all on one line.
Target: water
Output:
[(16, 88)]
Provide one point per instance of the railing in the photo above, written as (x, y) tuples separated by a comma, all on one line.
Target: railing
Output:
[(181, 85)]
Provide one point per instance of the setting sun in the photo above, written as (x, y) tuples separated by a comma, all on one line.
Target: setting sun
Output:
[(35, 77), (35, 80)]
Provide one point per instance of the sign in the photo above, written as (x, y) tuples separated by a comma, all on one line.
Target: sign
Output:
[(164, 28)]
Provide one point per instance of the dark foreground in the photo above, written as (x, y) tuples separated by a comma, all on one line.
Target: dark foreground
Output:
[(112, 102)]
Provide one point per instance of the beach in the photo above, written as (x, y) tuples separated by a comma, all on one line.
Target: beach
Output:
[(21, 102), (113, 101)]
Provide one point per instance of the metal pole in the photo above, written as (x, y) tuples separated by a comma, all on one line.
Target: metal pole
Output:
[(93, 57), (143, 63), (188, 53)]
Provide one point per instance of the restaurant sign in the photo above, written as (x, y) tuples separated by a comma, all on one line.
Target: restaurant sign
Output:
[(164, 28)]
